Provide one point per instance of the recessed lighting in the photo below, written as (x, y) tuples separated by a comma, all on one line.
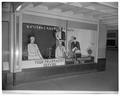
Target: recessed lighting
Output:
[(19, 7)]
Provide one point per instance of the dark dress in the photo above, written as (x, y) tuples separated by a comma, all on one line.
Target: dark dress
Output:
[(76, 44)]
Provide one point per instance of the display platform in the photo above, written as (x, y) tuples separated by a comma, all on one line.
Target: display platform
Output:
[(44, 73), (41, 73), (34, 70)]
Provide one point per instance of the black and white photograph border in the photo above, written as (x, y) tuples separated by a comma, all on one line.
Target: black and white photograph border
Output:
[(60, 47)]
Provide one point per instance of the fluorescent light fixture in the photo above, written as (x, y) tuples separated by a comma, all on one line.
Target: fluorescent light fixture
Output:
[(19, 7), (75, 4), (65, 2)]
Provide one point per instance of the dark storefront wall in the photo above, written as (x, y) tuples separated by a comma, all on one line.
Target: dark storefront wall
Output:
[(5, 41)]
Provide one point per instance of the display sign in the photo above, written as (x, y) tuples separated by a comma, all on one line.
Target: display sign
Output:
[(39, 27), (42, 63)]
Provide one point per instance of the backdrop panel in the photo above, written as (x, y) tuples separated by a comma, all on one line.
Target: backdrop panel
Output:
[(44, 38), (86, 38)]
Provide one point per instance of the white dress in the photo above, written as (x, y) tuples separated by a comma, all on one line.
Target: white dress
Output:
[(33, 52), (60, 52)]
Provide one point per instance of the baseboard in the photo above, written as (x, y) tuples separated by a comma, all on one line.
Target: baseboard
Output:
[(101, 66), (7, 79)]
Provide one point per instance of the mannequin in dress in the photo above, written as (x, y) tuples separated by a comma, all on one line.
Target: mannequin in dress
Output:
[(60, 51), (33, 50)]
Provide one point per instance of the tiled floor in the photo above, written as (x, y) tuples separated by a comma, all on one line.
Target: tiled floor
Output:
[(95, 81)]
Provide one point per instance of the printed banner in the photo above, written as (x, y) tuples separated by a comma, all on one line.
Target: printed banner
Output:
[(38, 26)]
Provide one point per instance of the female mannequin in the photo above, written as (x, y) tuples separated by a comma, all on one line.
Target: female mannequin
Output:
[(33, 50)]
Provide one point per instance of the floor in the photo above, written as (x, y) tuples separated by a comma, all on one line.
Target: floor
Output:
[(95, 81)]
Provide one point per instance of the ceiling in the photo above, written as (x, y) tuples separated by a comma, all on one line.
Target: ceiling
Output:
[(107, 12)]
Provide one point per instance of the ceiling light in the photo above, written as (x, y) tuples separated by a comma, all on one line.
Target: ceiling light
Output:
[(18, 8)]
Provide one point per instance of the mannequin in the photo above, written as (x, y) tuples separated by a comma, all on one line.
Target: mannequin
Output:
[(33, 50), (60, 51)]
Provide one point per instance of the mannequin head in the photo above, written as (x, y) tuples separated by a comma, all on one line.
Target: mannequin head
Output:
[(32, 39), (58, 29), (60, 42), (74, 39)]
